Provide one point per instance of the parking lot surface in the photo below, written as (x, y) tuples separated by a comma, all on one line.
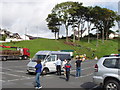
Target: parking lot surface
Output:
[(14, 75)]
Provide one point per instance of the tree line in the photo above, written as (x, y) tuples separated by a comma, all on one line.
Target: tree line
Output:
[(75, 16)]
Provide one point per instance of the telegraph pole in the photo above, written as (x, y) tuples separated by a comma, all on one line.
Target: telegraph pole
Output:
[(25, 32)]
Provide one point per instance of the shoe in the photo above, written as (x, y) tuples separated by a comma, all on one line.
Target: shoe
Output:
[(40, 87), (36, 87)]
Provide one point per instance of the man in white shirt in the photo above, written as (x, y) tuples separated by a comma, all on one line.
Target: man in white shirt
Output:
[(58, 66)]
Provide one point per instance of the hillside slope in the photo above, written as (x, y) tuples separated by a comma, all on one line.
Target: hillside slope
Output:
[(82, 47)]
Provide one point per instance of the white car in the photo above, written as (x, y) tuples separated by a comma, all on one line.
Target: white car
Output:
[(107, 72), (48, 60)]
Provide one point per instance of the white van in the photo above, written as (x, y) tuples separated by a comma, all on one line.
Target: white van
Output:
[(48, 60)]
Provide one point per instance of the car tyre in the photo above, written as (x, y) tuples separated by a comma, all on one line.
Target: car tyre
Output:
[(112, 85), (45, 71), (25, 57), (4, 58)]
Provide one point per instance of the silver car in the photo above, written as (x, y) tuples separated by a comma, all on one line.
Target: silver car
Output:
[(107, 73)]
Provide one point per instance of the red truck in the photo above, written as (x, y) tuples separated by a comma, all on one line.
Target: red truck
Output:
[(18, 53)]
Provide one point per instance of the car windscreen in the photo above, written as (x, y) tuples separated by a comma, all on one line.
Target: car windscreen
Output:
[(38, 57)]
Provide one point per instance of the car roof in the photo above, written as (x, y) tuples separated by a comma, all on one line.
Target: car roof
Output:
[(112, 55), (109, 57), (51, 52)]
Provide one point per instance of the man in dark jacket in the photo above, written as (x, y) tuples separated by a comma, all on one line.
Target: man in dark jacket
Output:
[(67, 69), (78, 67)]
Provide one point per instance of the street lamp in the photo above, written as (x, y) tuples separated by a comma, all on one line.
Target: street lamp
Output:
[(25, 32)]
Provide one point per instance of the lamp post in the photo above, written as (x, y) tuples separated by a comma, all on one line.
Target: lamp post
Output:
[(25, 32)]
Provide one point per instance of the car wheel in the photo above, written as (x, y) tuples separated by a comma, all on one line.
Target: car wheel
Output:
[(20, 58), (25, 57), (45, 71), (4, 58), (112, 85)]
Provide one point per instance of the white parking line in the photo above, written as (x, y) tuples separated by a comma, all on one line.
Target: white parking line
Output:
[(26, 78), (13, 70), (87, 75), (14, 66), (82, 69), (16, 60), (19, 79), (12, 74), (2, 81)]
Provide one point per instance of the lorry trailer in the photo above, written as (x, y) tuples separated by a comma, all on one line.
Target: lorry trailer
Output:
[(18, 53)]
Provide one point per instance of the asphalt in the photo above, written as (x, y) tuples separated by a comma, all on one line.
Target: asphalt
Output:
[(14, 75)]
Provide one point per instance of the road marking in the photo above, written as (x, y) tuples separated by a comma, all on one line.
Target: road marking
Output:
[(2, 81), (82, 69), (87, 75), (26, 78), (14, 66), (19, 79), (16, 60), (87, 68), (12, 74), (12, 70)]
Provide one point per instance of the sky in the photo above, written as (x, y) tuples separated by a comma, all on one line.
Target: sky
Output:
[(28, 16)]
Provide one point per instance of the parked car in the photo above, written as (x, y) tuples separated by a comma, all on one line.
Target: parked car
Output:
[(48, 60), (107, 72)]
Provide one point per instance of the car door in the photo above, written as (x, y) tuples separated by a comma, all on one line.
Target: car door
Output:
[(110, 67), (51, 63)]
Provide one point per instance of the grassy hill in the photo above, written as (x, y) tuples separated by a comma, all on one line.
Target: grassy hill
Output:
[(82, 47)]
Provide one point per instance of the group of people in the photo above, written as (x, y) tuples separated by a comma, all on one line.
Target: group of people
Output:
[(66, 65)]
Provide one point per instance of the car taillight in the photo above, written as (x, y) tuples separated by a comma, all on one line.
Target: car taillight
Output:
[(96, 68)]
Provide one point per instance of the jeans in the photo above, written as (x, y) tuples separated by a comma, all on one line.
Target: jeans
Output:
[(37, 79), (78, 71), (67, 75)]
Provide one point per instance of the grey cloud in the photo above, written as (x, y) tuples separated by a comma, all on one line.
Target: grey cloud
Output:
[(17, 15)]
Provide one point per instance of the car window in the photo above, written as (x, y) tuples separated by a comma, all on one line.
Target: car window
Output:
[(111, 63), (51, 58)]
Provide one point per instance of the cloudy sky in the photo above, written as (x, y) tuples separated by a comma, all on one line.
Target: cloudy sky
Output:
[(28, 16)]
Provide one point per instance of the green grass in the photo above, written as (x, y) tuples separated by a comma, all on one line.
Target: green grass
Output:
[(108, 47)]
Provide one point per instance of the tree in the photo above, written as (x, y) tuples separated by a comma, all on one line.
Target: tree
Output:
[(103, 20), (89, 18), (74, 17), (80, 16), (62, 10), (53, 23)]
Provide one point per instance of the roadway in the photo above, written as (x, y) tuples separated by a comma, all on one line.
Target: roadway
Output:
[(14, 75)]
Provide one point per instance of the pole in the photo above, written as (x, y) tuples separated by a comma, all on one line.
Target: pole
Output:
[(25, 33)]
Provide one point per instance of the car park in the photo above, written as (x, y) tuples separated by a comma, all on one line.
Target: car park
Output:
[(48, 60), (107, 72)]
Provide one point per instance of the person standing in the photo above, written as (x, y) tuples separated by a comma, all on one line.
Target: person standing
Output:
[(64, 62), (38, 68), (67, 69), (78, 67), (58, 66)]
